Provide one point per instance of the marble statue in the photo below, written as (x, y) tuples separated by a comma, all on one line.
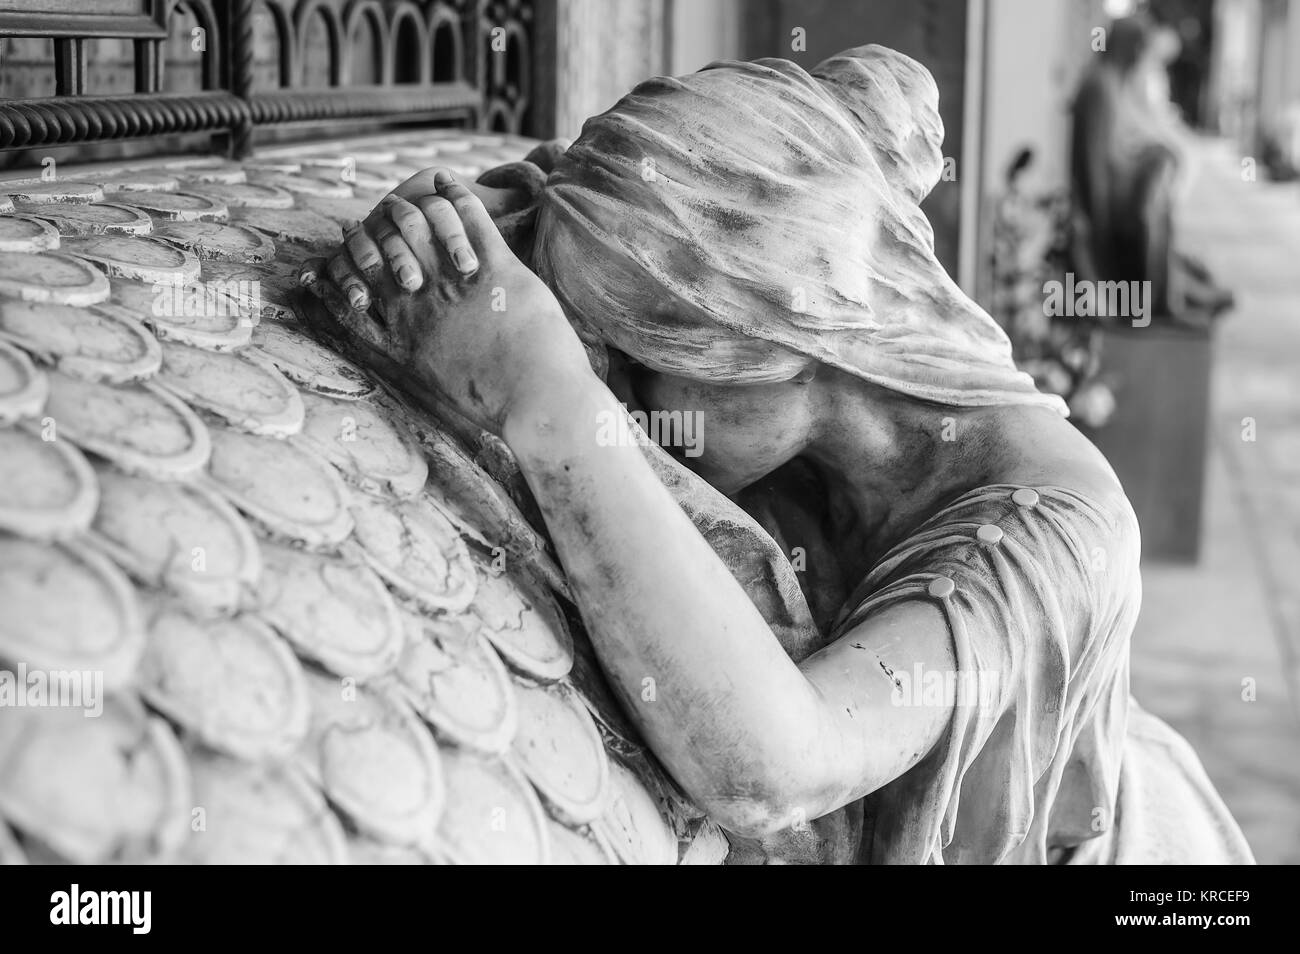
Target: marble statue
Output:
[(884, 616)]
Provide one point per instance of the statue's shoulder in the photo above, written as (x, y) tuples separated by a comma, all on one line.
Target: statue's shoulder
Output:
[(1050, 534)]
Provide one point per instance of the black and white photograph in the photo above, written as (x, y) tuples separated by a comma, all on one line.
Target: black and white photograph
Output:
[(651, 432)]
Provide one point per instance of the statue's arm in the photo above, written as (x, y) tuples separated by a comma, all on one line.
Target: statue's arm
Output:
[(756, 740)]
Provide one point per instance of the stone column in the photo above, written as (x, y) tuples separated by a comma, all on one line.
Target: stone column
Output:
[(590, 53)]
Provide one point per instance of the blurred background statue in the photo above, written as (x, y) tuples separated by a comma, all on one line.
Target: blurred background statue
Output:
[(1129, 163)]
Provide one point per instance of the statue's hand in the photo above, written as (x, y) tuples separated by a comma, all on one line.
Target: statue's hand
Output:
[(470, 322), (373, 250)]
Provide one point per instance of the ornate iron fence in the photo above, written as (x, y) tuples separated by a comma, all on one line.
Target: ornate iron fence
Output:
[(232, 67)]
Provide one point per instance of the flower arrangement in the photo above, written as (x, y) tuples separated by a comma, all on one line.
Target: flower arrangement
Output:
[(1031, 243)]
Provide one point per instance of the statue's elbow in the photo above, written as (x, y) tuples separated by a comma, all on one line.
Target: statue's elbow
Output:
[(782, 789), (749, 818), (759, 814)]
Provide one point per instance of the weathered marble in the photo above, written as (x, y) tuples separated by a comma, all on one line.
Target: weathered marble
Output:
[(242, 532)]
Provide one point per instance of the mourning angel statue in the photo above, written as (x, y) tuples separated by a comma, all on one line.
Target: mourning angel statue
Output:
[(880, 611)]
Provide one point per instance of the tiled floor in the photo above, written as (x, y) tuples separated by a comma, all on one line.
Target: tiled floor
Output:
[(1212, 633)]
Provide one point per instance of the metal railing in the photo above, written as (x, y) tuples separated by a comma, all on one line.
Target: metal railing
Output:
[(268, 63)]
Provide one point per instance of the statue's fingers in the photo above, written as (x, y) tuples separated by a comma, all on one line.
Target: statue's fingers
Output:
[(449, 232), (416, 233), (343, 273), (356, 322), (364, 251), (417, 185), (377, 217), (310, 273), (336, 303), (401, 260), (479, 227)]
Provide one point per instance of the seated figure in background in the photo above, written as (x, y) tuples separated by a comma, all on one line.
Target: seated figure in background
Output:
[(1129, 161)]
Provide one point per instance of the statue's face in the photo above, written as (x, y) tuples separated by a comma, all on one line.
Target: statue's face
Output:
[(730, 434)]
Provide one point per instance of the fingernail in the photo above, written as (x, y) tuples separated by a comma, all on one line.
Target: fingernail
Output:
[(406, 276), (464, 259), (443, 177), (357, 297), (307, 278)]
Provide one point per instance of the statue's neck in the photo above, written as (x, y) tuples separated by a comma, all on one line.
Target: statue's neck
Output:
[(887, 463)]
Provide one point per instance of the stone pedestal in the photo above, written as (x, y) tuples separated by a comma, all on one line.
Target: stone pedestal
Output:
[(1156, 440)]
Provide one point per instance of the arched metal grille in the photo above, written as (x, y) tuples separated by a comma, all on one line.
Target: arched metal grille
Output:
[(232, 66)]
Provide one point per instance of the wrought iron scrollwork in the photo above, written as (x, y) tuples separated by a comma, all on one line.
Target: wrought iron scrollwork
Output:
[(273, 62), (507, 56)]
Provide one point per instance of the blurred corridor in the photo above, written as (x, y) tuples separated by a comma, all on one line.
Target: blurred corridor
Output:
[(1208, 628)]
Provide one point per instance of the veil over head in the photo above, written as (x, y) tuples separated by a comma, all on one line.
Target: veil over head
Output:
[(737, 223)]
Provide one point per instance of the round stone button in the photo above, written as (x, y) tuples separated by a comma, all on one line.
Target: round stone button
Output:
[(941, 587), (1025, 497), (989, 534)]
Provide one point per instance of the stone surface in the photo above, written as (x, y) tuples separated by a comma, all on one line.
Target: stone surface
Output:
[(337, 638)]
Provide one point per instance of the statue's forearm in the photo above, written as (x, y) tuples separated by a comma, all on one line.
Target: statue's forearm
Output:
[(697, 666)]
